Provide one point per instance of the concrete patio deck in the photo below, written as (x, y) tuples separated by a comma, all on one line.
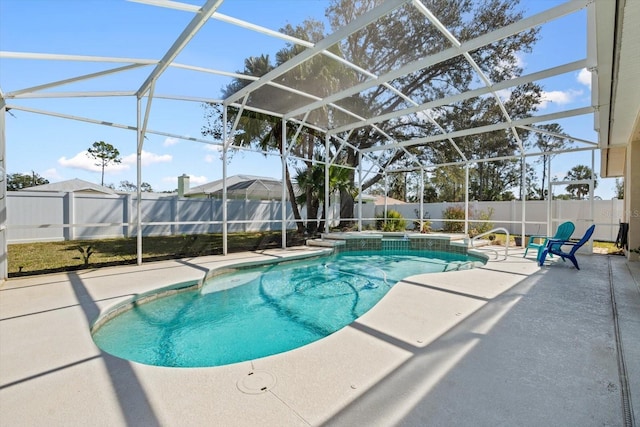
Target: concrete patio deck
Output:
[(507, 344)]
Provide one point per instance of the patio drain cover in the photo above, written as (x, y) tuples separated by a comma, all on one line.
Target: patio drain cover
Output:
[(256, 382)]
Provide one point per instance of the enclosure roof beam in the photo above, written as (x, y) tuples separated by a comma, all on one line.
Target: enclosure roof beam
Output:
[(557, 135), (490, 128), (76, 79), (71, 117), (45, 95), (78, 58), (105, 123), (185, 37), (491, 159)]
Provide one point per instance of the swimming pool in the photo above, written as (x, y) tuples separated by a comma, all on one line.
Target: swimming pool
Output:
[(251, 312)]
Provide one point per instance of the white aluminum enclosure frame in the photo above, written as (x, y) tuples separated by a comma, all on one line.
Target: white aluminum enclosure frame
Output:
[(207, 14)]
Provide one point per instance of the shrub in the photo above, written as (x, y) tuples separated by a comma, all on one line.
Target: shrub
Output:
[(395, 222), (426, 223), (482, 227), (453, 212), (475, 227), (426, 226)]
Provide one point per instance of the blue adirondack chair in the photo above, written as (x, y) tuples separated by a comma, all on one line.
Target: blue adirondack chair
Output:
[(555, 247), (564, 232)]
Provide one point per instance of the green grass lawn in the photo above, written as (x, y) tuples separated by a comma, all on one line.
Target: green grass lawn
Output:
[(611, 247), (48, 257)]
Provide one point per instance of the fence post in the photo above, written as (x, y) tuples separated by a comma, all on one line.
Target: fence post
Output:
[(174, 215), (69, 219), (212, 228), (244, 215), (512, 215), (126, 214), (559, 212)]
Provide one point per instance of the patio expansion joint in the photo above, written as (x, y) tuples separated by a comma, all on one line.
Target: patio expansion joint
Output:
[(445, 290), (291, 408)]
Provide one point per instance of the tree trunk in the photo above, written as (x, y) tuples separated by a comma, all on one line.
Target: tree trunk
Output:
[(544, 176), (294, 204), (312, 217), (292, 195), (346, 209), (323, 219)]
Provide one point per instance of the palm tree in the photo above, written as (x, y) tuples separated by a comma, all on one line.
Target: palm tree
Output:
[(310, 182)]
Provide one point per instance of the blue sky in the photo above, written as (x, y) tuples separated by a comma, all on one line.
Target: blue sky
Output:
[(54, 147)]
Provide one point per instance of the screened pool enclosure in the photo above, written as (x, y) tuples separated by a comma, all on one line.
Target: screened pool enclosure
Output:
[(374, 88)]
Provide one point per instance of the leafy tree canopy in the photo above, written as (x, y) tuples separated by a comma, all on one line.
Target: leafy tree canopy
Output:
[(580, 172), (131, 187), (18, 181), (619, 188)]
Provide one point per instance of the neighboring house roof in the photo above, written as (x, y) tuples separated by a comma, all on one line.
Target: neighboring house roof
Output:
[(73, 186), (366, 198), (215, 186), (242, 187), (379, 201)]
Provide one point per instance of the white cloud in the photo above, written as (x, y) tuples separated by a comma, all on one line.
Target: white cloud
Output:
[(148, 158), (504, 94), (84, 162), (210, 158), (52, 175), (198, 180), (559, 97), (170, 141), (584, 77)]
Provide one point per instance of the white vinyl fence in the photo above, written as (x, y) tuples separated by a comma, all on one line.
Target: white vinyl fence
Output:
[(607, 215), (38, 216)]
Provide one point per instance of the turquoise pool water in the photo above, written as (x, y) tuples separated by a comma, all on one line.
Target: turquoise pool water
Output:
[(263, 310)]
